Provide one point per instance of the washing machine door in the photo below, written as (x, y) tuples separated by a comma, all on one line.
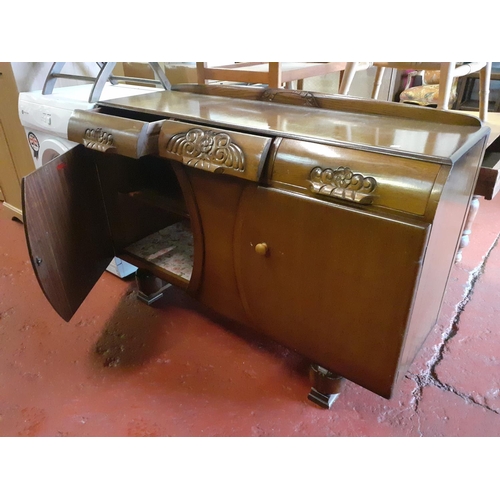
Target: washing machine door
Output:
[(50, 149)]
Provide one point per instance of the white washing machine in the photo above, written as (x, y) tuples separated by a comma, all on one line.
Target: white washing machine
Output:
[(45, 120)]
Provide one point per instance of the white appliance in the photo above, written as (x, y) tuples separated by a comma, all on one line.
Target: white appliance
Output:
[(45, 119)]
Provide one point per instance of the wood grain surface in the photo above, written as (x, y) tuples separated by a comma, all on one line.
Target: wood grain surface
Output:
[(66, 229)]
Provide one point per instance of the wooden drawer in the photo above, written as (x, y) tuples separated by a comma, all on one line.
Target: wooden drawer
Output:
[(114, 134), (488, 182), (214, 150), (360, 177)]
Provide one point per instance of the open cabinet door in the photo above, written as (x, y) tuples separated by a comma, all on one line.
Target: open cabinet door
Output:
[(67, 232)]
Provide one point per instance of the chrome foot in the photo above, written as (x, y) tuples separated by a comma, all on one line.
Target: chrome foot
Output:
[(150, 288), (149, 299), (326, 386), (323, 400)]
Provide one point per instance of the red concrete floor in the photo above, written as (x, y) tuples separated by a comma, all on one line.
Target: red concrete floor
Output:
[(121, 368)]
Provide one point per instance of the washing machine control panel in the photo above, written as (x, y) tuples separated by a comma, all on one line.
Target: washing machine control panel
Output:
[(47, 118)]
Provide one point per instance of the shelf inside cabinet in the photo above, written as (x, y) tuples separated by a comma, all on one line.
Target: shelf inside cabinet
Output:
[(174, 204), (168, 252)]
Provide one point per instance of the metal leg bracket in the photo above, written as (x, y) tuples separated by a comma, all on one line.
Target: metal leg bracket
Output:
[(150, 288), (326, 386)]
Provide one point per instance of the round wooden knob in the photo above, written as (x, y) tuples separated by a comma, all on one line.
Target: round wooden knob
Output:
[(261, 248)]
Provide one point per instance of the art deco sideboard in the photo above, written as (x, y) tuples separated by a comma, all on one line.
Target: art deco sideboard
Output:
[(329, 224)]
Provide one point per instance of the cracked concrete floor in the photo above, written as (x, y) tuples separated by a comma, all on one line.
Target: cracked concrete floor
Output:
[(120, 368)]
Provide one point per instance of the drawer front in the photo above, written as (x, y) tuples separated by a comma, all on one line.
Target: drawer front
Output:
[(360, 177), (214, 150), (114, 134)]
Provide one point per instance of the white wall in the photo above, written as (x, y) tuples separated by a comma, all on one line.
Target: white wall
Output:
[(31, 75), (361, 86)]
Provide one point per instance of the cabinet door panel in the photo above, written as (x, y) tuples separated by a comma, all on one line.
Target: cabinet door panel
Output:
[(334, 283), (66, 229)]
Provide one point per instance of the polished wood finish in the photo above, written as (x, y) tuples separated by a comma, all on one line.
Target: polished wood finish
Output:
[(196, 227), (66, 229), (114, 134), (400, 183), (488, 183), (326, 101), (356, 124), (452, 202), (340, 242), (217, 200), (323, 290), (214, 150)]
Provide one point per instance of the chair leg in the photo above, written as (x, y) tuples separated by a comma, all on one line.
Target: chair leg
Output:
[(349, 72), (445, 81), (200, 72), (463, 86), (275, 81), (484, 91), (378, 81)]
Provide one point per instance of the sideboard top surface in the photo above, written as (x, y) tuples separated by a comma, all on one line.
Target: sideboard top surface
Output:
[(381, 131)]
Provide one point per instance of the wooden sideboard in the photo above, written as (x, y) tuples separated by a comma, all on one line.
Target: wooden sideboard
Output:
[(329, 224)]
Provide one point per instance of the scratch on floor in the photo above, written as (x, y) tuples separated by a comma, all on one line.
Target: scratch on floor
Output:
[(428, 376)]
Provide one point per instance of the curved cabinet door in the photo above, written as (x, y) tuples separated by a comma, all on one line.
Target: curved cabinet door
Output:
[(66, 229), (333, 282)]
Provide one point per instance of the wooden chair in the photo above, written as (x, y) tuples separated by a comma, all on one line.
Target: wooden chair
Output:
[(273, 74), (466, 95), (448, 71)]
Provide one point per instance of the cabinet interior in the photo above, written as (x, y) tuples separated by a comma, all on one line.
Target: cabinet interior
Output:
[(148, 217)]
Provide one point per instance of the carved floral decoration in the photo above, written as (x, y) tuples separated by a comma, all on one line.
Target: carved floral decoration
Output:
[(342, 183), (307, 98), (207, 149), (98, 139)]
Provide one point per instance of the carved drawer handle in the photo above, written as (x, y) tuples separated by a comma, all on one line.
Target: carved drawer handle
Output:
[(99, 139), (342, 183), (209, 150), (262, 249)]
